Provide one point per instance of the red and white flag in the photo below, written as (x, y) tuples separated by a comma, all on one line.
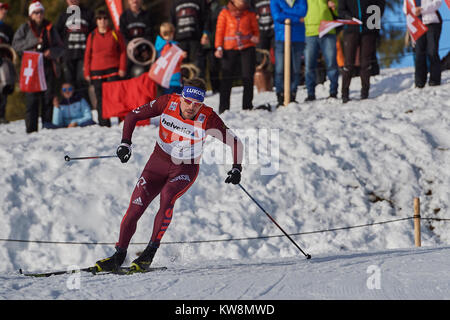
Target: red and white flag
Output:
[(115, 9), (327, 26), (164, 67), (32, 75), (415, 26)]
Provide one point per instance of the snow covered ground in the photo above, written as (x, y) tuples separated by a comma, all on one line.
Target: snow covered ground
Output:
[(315, 166)]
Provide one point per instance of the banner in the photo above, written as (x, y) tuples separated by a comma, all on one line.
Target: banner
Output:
[(115, 10), (164, 67), (327, 26), (415, 26), (121, 97), (32, 75)]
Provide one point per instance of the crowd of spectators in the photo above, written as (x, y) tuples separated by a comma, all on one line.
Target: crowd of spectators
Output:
[(221, 38)]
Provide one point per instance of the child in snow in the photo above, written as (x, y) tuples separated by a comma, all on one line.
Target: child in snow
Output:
[(163, 43)]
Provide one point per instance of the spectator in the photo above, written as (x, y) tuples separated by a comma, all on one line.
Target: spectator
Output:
[(237, 34), (363, 36), (281, 11), (105, 59), (38, 34), (207, 61), (190, 20), (6, 36), (74, 31), (428, 44), (72, 111), (136, 22), (317, 11), (265, 23), (163, 43)]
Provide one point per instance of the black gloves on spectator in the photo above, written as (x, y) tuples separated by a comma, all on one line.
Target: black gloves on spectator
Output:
[(124, 151), (234, 175)]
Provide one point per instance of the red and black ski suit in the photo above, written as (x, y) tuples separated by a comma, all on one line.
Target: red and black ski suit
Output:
[(174, 164)]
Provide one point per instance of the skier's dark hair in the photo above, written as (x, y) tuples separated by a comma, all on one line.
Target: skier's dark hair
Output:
[(195, 82)]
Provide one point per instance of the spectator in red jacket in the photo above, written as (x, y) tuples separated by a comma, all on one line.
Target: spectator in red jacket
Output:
[(105, 59)]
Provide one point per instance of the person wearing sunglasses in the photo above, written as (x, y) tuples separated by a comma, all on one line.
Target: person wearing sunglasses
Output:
[(185, 123), (38, 34), (72, 111), (105, 59)]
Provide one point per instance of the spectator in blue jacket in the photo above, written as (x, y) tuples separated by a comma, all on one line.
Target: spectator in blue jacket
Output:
[(295, 11), (163, 43), (72, 111)]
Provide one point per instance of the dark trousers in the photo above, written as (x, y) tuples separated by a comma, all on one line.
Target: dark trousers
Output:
[(3, 100), (367, 44), (39, 101), (428, 46), (208, 62), (73, 73), (192, 48), (230, 59), (159, 177), (98, 94)]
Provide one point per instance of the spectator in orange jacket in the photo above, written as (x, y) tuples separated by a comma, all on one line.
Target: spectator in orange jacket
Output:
[(237, 34), (105, 59)]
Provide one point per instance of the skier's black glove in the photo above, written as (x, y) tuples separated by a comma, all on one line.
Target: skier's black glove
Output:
[(234, 175), (124, 152)]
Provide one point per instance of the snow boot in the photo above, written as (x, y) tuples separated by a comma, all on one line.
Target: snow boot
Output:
[(112, 263), (143, 262)]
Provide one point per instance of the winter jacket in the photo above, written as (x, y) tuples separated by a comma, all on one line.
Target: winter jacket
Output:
[(6, 33), (137, 25), (318, 10), (281, 10), (27, 39), (161, 46), (265, 21), (430, 11), (75, 109), (349, 9), (190, 19), (105, 54), (74, 32), (235, 32)]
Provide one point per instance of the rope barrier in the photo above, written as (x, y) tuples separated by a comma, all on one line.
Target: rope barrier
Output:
[(227, 240)]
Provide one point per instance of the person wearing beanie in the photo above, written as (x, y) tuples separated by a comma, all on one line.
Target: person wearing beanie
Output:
[(38, 34)]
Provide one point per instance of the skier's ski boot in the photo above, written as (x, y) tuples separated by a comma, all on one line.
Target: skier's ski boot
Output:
[(112, 263), (143, 262)]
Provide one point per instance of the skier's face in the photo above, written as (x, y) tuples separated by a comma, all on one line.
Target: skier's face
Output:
[(190, 107)]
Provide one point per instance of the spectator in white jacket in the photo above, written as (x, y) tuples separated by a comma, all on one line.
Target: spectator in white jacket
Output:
[(428, 44)]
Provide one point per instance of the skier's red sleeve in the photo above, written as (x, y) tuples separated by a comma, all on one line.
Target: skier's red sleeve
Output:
[(149, 110), (217, 128)]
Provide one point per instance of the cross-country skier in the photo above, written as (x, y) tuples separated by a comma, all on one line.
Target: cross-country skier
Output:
[(173, 166)]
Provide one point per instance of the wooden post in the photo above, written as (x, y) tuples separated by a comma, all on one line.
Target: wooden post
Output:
[(417, 237), (287, 61)]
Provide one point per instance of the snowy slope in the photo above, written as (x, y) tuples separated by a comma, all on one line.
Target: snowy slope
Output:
[(393, 274), (326, 165)]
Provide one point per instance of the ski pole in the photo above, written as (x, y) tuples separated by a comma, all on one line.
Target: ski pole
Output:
[(308, 256), (67, 158)]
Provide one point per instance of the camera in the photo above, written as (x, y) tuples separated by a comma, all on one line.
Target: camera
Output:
[(40, 47)]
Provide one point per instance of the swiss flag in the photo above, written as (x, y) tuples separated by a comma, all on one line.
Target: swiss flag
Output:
[(415, 26), (327, 26), (32, 75), (115, 9), (123, 96), (164, 67)]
